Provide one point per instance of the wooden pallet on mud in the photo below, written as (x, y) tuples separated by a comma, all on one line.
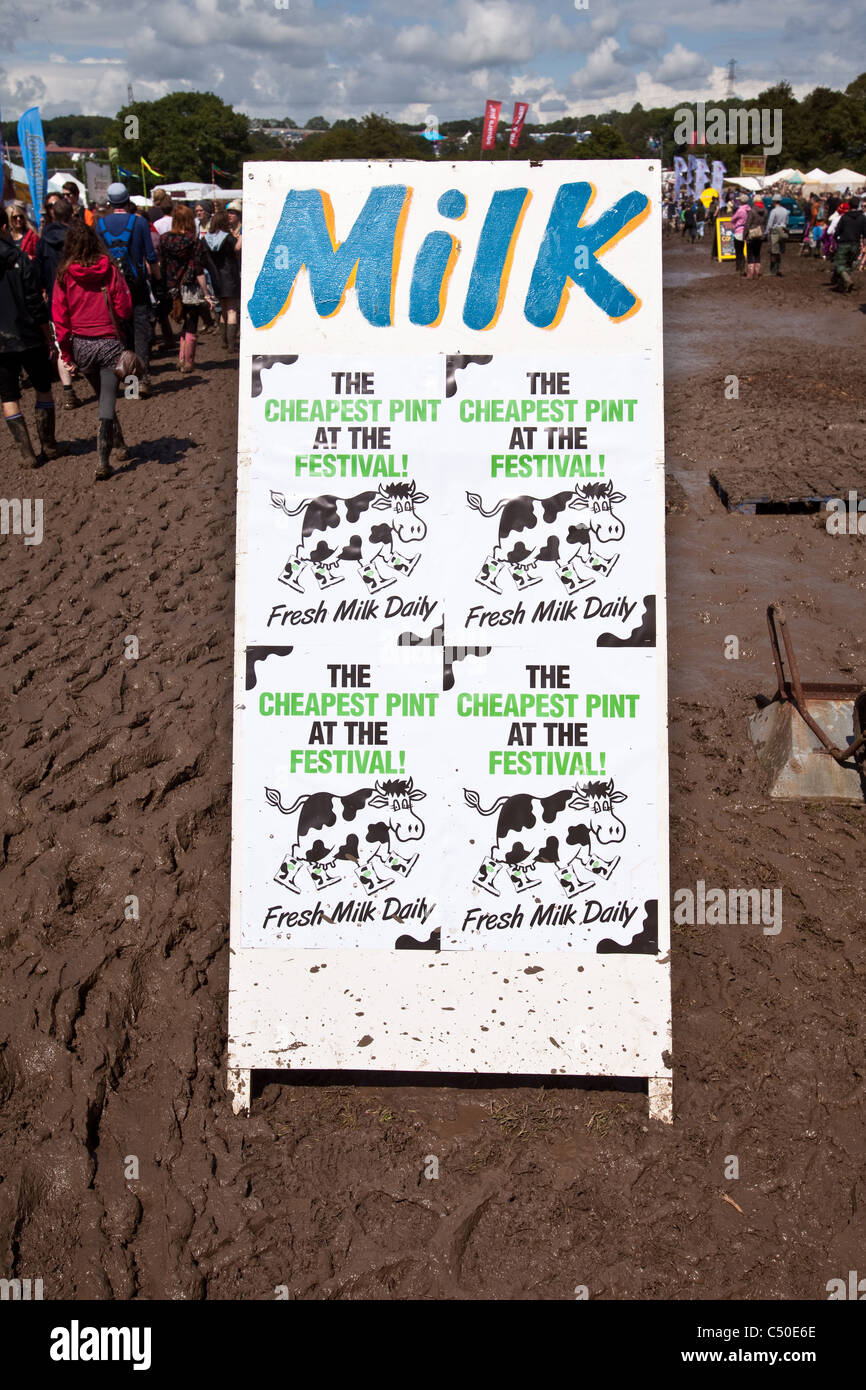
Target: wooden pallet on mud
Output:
[(790, 490)]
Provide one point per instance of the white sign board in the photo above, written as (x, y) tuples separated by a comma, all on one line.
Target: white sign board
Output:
[(98, 178), (450, 756)]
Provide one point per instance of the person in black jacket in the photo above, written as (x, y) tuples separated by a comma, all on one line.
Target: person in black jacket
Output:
[(49, 249), (219, 253), (850, 229), (25, 342)]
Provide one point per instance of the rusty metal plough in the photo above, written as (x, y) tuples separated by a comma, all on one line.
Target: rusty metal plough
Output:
[(797, 694)]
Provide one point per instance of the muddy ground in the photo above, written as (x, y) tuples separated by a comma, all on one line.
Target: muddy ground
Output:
[(114, 780)]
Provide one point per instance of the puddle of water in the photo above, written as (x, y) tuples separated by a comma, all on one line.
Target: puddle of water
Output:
[(687, 350), (680, 279)]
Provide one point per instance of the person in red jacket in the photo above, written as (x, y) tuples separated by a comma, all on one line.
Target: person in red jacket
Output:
[(90, 301)]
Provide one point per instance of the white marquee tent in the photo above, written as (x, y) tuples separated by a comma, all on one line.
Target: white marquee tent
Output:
[(749, 183), (189, 192), (846, 178), (816, 178)]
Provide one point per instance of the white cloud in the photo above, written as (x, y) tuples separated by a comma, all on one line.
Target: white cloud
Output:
[(602, 73), (346, 57), (681, 65), (605, 23), (646, 35)]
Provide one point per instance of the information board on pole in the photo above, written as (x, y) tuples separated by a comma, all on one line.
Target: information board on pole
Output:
[(450, 812)]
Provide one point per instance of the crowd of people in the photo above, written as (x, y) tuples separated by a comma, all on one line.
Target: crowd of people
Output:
[(834, 228), (837, 233), (81, 297)]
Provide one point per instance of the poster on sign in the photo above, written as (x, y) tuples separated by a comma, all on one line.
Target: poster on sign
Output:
[(554, 827), (726, 245), (342, 760), (450, 757), (753, 166)]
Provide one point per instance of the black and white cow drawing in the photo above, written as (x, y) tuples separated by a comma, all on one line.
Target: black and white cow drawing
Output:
[(357, 829), (533, 529), (363, 529), (534, 830)]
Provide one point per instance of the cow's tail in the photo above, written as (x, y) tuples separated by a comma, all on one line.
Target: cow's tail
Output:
[(273, 798), (474, 500), (279, 501), (474, 800)]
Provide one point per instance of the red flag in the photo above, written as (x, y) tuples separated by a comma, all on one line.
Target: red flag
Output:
[(491, 121), (520, 110)]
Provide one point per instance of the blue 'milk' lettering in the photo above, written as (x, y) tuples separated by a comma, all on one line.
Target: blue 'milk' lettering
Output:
[(302, 238), (369, 257), (559, 255)]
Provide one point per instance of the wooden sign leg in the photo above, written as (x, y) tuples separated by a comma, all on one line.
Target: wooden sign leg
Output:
[(660, 1091), (238, 1082)]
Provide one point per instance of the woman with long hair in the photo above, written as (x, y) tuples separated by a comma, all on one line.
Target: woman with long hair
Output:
[(22, 233), (221, 262), (90, 304), (183, 273)]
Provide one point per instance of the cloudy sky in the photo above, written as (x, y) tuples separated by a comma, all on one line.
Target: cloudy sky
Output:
[(345, 57)]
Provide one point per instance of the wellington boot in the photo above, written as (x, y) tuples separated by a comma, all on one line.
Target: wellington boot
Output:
[(103, 449), (21, 435), (45, 421), (118, 443)]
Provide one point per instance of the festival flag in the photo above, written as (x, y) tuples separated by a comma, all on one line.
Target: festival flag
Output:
[(520, 110), (155, 172), (32, 142), (223, 173), (682, 177), (491, 122), (127, 173)]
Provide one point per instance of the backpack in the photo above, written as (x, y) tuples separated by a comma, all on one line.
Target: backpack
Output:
[(118, 245)]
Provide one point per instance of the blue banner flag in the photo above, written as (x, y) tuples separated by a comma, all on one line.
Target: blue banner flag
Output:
[(32, 143)]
